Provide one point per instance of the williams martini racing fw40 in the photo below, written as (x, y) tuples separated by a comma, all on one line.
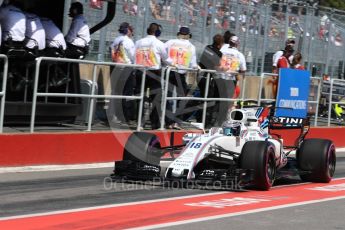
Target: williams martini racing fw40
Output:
[(244, 149)]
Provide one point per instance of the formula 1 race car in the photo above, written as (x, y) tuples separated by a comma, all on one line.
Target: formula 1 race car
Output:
[(244, 149)]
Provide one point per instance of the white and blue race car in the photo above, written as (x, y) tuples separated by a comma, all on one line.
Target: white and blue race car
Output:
[(244, 150)]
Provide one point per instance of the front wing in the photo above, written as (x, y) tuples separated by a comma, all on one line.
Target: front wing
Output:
[(232, 178)]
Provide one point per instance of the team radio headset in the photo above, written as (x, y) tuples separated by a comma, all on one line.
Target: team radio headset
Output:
[(158, 31)]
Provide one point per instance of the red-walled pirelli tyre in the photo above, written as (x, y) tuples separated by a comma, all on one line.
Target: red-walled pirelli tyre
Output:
[(317, 156), (259, 156), (143, 147)]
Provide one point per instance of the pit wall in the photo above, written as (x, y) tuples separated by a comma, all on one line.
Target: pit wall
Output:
[(99, 147)]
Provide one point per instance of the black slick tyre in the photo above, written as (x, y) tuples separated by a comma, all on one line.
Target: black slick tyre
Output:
[(142, 146), (316, 159), (259, 156)]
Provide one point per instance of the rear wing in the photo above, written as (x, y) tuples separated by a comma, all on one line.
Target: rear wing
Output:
[(288, 122)]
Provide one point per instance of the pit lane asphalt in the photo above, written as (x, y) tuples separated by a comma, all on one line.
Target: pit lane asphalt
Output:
[(321, 216), (37, 192)]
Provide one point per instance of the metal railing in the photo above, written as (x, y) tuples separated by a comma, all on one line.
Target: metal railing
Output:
[(242, 98), (91, 96), (165, 85), (3, 91), (330, 99), (317, 101), (205, 99)]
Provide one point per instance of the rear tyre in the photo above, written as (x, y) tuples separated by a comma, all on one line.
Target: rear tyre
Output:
[(144, 147), (259, 156), (317, 158)]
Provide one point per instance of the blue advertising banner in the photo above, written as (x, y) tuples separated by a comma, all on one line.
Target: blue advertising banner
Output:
[(293, 93)]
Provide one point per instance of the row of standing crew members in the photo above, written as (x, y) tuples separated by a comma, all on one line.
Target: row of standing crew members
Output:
[(153, 53), (180, 52), (41, 35)]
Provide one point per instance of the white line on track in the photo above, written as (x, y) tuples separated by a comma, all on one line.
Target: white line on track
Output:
[(110, 206), (134, 203), (236, 214)]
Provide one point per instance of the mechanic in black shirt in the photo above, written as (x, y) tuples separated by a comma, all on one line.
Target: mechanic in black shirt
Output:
[(210, 59), (211, 56)]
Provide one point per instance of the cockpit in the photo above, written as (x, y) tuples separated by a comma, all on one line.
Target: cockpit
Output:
[(231, 128)]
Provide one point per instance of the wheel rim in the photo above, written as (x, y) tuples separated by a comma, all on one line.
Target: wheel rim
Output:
[(270, 169), (154, 147), (331, 164)]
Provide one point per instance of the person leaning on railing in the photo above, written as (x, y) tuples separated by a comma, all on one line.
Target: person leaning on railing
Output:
[(55, 41), (34, 44), (150, 52), (12, 20), (181, 54), (55, 46), (122, 78), (232, 64), (210, 59), (13, 23), (35, 35)]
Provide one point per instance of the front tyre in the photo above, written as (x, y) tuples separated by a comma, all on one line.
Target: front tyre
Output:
[(141, 158), (142, 146), (259, 156), (318, 159)]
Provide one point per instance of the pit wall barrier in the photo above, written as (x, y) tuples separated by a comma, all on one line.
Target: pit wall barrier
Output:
[(99, 147)]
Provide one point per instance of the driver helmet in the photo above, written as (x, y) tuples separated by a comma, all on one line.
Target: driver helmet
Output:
[(231, 128)]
